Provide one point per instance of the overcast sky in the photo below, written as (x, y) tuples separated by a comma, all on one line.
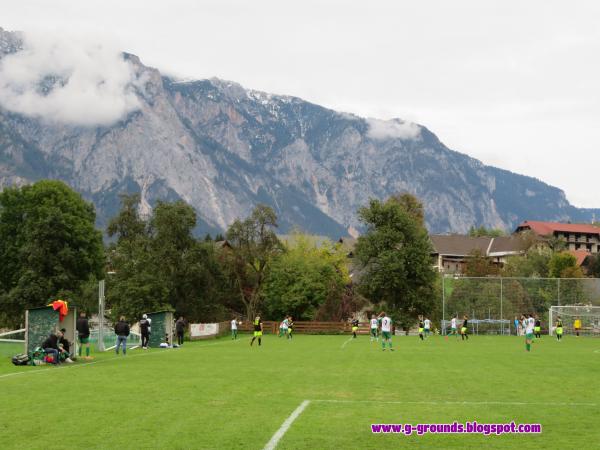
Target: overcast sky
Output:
[(513, 83)]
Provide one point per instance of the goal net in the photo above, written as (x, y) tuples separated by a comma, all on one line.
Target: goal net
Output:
[(589, 317), (12, 342)]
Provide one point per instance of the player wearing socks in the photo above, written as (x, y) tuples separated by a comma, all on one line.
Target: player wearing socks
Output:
[(529, 326), (421, 327), (258, 330), (283, 331), (234, 325), (427, 326), (537, 330), (374, 327), (386, 331), (354, 327), (290, 327), (453, 327), (559, 328), (464, 331), (83, 333), (577, 326)]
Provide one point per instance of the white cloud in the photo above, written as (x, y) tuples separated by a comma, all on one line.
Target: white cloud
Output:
[(90, 84), (392, 129)]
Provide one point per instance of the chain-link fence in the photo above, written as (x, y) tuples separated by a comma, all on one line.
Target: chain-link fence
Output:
[(492, 304)]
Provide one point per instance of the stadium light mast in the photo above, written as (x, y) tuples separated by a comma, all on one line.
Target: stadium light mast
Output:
[(101, 302)]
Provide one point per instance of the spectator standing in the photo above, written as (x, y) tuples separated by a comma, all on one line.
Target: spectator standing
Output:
[(180, 329), (122, 332)]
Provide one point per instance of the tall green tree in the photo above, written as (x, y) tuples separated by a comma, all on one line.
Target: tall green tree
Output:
[(395, 257), (49, 246), (159, 264), (254, 244), (305, 276), (563, 265), (135, 286)]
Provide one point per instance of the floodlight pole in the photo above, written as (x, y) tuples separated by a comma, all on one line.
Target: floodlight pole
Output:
[(443, 304), (101, 316), (501, 317)]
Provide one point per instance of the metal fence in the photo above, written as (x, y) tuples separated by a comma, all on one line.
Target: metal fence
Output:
[(492, 304)]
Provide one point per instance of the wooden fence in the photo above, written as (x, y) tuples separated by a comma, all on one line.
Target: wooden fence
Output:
[(309, 327)]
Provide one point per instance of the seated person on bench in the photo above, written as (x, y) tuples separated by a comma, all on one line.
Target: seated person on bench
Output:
[(51, 346), (66, 346)]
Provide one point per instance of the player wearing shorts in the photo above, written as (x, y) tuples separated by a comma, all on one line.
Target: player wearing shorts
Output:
[(421, 327), (290, 327), (374, 328), (427, 327), (258, 331), (464, 331), (83, 333), (283, 331), (354, 327), (577, 326), (559, 328), (453, 327), (529, 326), (537, 330), (386, 331), (234, 325)]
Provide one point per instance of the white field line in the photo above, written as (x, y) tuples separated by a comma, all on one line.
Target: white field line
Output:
[(73, 366), (286, 425), (383, 402), (347, 342), (597, 351)]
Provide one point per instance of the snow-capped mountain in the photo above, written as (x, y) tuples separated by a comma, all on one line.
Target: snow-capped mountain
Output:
[(223, 148)]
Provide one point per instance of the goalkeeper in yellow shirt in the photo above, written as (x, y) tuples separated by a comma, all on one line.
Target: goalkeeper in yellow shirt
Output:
[(577, 326)]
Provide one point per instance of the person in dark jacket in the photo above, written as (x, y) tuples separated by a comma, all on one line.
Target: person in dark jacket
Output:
[(180, 329), (50, 346), (122, 332), (83, 333), (145, 330), (64, 347)]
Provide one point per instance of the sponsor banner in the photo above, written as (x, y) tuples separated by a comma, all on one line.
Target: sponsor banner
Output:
[(203, 329)]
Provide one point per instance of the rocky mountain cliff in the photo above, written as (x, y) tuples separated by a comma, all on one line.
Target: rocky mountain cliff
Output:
[(223, 148)]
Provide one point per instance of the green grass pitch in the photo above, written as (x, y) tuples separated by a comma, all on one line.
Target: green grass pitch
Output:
[(226, 394)]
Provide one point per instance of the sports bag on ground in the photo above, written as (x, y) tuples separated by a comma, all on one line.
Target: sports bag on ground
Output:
[(20, 360)]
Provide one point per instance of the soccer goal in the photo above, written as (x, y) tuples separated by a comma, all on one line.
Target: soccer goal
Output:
[(589, 316), (12, 342)]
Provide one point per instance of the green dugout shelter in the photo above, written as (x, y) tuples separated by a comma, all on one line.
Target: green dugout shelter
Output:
[(40, 322), (161, 328)]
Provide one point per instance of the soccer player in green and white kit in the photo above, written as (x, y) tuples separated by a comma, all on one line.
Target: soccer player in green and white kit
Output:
[(530, 325), (427, 326), (374, 328), (386, 331), (290, 327)]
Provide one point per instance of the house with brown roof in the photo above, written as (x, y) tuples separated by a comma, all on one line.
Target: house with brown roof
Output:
[(576, 236), (451, 252)]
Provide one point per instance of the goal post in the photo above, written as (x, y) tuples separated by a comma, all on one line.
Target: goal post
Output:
[(588, 315)]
